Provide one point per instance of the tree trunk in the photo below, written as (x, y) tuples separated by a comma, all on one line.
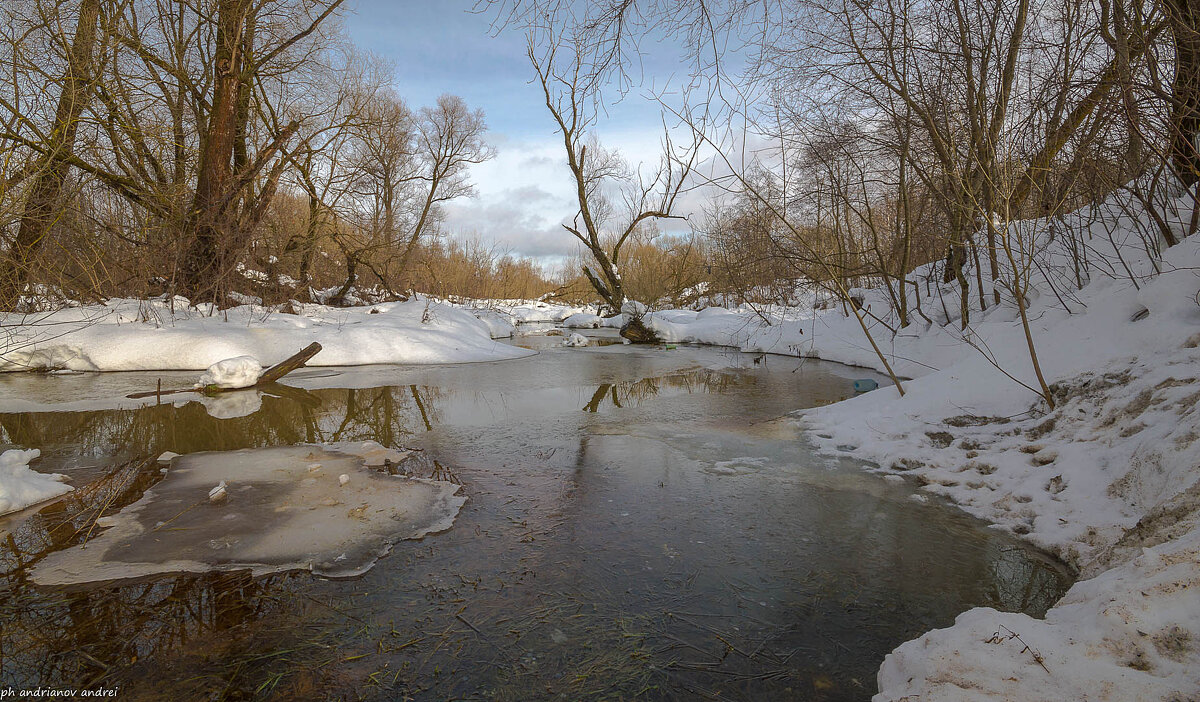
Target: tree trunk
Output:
[(45, 192), (1185, 94), (339, 298), (205, 260), (309, 245)]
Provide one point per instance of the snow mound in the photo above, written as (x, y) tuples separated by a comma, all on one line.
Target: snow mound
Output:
[(20, 486), (582, 320), (575, 340), (236, 372), (277, 514), (498, 324)]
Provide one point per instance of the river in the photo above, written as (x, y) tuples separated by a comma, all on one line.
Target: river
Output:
[(641, 523)]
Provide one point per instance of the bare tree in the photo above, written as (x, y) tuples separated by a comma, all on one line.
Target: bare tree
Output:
[(450, 138), (405, 166), (221, 216), (46, 188), (571, 96)]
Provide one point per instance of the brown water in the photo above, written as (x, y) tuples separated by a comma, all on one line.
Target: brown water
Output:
[(638, 526)]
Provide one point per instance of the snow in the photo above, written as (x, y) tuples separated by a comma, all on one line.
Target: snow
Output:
[(1127, 634), (582, 320), (576, 340), (498, 324), (236, 372), (263, 510), (20, 486), (534, 311), (166, 334)]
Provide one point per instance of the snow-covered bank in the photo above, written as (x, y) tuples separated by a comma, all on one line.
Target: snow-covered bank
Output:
[(1109, 479), (21, 486), (162, 334)]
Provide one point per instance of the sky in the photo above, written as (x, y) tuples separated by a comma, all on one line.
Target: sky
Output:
[(526, 192)]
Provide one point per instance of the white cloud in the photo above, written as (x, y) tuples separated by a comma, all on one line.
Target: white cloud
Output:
[(526, 193)]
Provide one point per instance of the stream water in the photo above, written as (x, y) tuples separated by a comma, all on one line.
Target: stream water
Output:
[(640, 523)]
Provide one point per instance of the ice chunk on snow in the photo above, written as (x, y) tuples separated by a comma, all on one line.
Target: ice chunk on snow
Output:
[(166, 456), (277, 516), (218, 493), (21, 486), (236, 372), (575, 340), (343, 479)]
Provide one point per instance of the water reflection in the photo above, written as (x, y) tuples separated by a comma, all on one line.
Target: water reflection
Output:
[(608, 549), (387, 415)]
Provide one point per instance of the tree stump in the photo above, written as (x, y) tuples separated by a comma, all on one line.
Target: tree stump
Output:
[(637, 332)]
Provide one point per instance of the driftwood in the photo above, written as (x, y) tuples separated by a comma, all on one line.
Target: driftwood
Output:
[(270, 376)]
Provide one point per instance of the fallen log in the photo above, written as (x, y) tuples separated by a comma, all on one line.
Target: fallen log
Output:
[(289, 364), (269, 377)]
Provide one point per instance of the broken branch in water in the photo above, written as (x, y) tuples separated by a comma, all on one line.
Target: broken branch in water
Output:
[(269, 377)]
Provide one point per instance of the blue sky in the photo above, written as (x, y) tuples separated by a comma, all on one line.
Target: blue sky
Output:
[(439, 46)]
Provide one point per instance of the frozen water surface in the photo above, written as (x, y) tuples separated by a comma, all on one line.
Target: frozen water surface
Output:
[(283, 508), (639, 525)]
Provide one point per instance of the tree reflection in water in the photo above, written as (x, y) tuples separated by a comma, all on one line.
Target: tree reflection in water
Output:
[(386, 415), (635, 392)]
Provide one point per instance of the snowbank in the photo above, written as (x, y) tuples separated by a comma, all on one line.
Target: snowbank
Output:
[(582, 320), (498, 324), (1126, 635), (830, 336), (165, 334), (21, 487), (535, 311)]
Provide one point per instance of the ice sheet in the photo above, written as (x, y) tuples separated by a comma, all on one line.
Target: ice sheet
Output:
[(279, 513)]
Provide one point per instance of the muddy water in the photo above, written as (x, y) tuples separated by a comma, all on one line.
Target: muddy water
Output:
[(639, 525)]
